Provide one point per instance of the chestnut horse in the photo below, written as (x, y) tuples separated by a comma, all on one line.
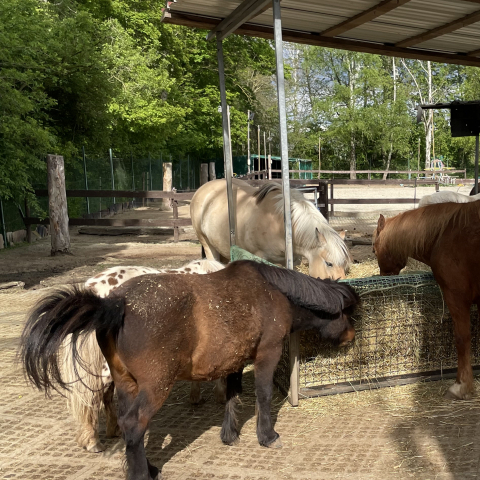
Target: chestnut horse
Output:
[(156, 329), (260, 227), (445, 236)]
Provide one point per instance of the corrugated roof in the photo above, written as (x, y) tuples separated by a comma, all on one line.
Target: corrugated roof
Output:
[(447, 30)]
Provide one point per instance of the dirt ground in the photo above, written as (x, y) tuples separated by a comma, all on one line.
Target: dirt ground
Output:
[(407, 432)]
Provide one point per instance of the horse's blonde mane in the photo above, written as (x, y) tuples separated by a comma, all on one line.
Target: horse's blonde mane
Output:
[(305, 219), (416, 231)]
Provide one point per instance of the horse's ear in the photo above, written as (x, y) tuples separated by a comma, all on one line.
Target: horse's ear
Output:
[(342, 234), (381, 223), (321, 239)]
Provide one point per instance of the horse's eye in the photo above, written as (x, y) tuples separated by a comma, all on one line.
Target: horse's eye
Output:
[(329, 264)]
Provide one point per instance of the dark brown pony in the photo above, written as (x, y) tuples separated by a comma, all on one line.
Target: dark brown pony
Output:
[(157, 329), (445, 236)]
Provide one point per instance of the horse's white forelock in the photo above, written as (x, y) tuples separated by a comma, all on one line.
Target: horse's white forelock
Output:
[(305, 219)]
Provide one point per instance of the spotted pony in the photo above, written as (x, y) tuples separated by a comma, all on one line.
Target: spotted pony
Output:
[(91, 383)]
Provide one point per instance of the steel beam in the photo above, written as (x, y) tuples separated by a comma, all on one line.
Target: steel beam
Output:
[(282, 113), (363, 17), (227, 146), (244, 12)]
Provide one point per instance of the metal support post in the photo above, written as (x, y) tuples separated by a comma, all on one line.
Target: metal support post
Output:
[(133, 173), (86, 180), (282, 111), (111, 168), (476, 163), (4, 229), (248, 141), (227, 147), (150, 171)]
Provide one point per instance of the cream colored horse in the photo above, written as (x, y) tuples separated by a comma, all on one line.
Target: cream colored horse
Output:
[(445, 197), (260, 227)]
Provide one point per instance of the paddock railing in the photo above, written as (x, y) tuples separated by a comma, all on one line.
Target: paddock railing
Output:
[(89, 220)]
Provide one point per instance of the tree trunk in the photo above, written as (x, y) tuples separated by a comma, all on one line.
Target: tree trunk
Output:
[(57, 205), (389, 159), (353, 157), (352, 70), (428, 124)]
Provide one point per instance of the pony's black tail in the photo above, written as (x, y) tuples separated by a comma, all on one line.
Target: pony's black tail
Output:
[(65, 312)]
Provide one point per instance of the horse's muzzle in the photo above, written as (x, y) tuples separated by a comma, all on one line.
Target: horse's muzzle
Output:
[(347, 336)]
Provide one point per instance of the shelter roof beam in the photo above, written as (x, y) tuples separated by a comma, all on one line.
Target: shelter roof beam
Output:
[(441, 30), (244, 12), (363, 17), (474, 53), (313, 38)]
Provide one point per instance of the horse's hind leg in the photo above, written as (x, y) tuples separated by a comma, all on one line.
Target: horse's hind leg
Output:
[(113, 430), (229, 433), (135, 415), (462, 389), (210, 252), (87, 417), (195, 393), (265, 363)]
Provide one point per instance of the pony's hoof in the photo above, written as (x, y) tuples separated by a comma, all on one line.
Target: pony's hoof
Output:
[(96, 447), (458, 392), (276, 444), (154, 472)]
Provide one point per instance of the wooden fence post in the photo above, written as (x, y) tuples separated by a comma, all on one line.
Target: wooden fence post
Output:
[(167, 184), (57, 205), (211, 171), (175, 216), (331, 198), (203, 173)]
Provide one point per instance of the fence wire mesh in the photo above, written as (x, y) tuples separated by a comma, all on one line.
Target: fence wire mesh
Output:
[(403, 327)]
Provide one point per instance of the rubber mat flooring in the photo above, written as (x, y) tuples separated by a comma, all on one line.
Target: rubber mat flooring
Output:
[(369, 435)]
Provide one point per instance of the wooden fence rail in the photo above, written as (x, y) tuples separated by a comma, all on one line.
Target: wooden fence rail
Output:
[(173, 196)]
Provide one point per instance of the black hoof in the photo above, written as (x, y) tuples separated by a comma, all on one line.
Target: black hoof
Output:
[(153, 472), (271, 442), (229, 437)]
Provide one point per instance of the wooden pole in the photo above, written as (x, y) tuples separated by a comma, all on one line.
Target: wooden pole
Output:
[(57, 205), (203, 173), (175, 216), (167, 177), (167, 183), (211, 172)]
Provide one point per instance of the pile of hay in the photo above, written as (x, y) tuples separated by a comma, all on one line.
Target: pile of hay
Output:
[(370, 268), (401, 329)]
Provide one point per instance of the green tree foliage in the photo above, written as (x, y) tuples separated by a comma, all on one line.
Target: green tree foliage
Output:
[(109, 74), (363, 109)]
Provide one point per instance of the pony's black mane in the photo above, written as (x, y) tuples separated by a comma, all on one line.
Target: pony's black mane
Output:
[(311, 293)]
